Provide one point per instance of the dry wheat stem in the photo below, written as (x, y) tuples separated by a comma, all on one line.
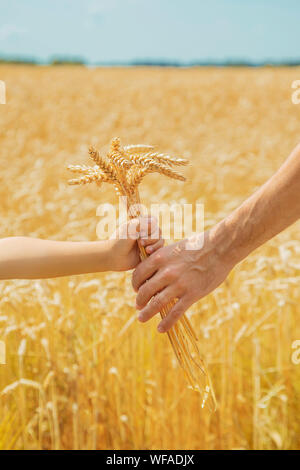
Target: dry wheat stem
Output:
[(125, 168)]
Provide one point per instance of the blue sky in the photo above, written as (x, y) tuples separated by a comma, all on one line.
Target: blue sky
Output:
[(122, 30)]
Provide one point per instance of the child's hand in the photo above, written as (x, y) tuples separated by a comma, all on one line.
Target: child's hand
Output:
[(125, 250)]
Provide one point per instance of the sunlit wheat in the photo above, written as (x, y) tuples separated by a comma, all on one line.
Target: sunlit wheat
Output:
[(89, 376), (125, 170)]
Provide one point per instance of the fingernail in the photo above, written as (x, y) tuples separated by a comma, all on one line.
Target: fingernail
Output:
[(149, 249), (141, 318), (160, 328)]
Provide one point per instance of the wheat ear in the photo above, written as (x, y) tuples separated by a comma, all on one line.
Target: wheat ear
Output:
[(125, 168)]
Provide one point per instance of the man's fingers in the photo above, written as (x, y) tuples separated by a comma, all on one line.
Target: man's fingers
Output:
[(173, 316), (146, 269), (150, 288), (158, 302)]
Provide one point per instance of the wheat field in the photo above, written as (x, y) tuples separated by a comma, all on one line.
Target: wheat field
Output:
[(81, 372)]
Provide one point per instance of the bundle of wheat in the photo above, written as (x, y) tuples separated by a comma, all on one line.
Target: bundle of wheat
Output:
[(124, 168)]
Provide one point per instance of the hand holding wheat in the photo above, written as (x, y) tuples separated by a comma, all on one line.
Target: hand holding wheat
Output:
[(125, 168)]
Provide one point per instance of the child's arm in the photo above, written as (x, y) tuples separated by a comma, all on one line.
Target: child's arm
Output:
[(30, 258)]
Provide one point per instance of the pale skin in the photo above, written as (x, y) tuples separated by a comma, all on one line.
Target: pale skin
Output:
[(189, 275), (31, 258)]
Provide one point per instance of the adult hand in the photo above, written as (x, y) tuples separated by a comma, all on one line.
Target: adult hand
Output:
[(179, 272), (190, 274)]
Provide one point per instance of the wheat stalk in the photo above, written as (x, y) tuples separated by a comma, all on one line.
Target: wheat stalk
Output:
[(125, 168)]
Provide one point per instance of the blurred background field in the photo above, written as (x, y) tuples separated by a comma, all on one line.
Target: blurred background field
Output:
[(81, 372)]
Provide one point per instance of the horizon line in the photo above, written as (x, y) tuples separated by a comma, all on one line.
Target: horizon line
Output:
[(154, 62)]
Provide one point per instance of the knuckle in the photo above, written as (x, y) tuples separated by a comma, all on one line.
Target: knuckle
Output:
[(166, 273), (177, 312), (157, 258), (179, 287), (195, 293), (139, 298), (184, 285), (142, 294), (142, 290), (134, 280), (169, 273), (157, 302)]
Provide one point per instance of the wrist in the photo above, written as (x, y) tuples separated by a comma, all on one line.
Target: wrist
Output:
[(100, 256), (227, 248), (112, 259)]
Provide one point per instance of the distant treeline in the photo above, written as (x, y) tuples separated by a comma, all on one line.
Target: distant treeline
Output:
[(57, 61), (208, 63), (52, 61)]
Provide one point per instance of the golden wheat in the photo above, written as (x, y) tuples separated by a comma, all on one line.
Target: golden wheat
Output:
[(182, 336), (104, 380)]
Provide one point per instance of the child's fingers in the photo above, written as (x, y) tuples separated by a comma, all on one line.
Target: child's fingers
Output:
[(155, 233), (129, 230), (149, 241), (155, 246), (146, 228), (133, 227), (149, 228)]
